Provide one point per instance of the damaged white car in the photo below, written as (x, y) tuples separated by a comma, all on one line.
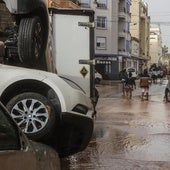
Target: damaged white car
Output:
[(47, 108)]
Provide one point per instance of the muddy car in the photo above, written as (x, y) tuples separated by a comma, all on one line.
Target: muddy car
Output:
[(47, 108), (24, 29), (18, 153)]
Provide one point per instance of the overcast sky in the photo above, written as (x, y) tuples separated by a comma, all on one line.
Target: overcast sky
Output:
[(159, 11)]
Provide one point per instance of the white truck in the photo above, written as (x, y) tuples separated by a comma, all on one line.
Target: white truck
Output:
[(73, 45), (59, 41)]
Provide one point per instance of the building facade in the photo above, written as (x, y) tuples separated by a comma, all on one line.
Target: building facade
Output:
[(121, 27), (156, 46), (112, 35), (140, 29)]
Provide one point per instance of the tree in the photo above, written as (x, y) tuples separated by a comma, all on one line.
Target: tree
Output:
[(164, 51)]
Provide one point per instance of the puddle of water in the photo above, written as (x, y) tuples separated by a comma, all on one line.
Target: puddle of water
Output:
[(116, 143)]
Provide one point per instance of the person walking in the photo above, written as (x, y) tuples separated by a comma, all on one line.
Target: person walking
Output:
[(129, 85), (123, 76), (145, 82), (167, 89)]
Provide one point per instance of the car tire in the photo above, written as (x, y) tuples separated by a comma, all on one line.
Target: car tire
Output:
[(34, 114), (30, 40)]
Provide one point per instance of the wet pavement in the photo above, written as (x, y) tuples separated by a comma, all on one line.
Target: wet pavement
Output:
[(129, 134)]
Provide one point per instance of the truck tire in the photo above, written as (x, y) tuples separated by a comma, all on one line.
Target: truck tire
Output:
[(34, 114), (30, 40)]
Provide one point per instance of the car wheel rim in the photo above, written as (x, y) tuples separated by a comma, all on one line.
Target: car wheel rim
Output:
[(31, 115)]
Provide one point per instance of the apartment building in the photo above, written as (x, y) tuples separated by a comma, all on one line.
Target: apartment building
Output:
[(156, 46), (140, 29), (112, 35)]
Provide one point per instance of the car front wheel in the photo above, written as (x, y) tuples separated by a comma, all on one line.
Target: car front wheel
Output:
[(34, 114)]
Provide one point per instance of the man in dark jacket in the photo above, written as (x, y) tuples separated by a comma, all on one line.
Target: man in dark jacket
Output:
[(145, 82), (167, 89), (123, 76)]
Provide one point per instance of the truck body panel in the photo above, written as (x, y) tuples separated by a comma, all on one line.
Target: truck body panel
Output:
[(73, 41)]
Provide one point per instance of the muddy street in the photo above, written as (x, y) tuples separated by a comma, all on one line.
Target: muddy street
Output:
[(128, 134)]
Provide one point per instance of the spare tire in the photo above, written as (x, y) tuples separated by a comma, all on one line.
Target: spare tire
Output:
[(31, 40)]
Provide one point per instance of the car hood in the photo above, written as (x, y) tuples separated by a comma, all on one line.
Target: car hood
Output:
[(68, 95), (9, 72)]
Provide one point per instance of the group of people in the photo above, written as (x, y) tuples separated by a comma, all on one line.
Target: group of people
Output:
[(156, 72), (128, 83)]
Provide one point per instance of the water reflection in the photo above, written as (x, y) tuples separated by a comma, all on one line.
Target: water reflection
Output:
[(127, 132)]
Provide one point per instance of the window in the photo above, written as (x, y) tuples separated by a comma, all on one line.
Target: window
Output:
[(9, 138), (128, 7), (101, 4), (84, 3), (101, 43), (127, 45), (101, 22), (108, 68)]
